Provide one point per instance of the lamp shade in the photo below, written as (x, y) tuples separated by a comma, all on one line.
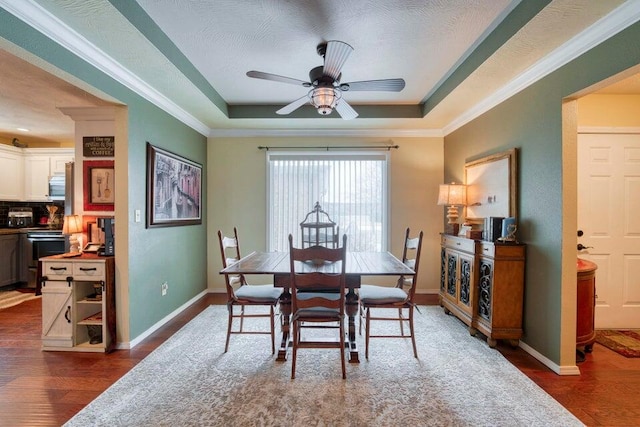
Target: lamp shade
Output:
[(72, 224), (452, 194)]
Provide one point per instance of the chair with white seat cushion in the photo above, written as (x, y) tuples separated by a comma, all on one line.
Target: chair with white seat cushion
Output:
[(240, 293), (399, 297)]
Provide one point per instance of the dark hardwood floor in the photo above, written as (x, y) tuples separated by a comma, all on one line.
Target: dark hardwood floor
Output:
[(47, 388)]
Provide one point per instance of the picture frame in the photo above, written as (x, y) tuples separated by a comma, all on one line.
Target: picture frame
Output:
[(174, 189), (98, 185), (92, 247), (492, 186)]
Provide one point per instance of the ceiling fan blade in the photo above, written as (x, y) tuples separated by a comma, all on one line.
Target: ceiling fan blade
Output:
[(334, 58), (277, 78), (293, 106), (390, 85), (345, 110)]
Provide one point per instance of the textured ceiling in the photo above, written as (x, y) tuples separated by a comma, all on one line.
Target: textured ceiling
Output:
[(453, 54), (393, 38)]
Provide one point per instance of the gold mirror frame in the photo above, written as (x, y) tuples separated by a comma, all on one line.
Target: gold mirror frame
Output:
[(492, 186)]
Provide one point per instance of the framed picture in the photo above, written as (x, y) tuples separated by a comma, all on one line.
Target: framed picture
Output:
[(92, 247), (492, 186), (99, 185), (174, 189)]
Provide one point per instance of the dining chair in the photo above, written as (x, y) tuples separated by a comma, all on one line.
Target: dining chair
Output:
[(374, 297), (242, 294), (317, 296)]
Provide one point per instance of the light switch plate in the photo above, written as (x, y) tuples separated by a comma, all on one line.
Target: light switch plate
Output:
[(137, 215)]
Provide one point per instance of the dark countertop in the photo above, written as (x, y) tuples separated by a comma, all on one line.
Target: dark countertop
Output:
[(8, 230), (4, 231)]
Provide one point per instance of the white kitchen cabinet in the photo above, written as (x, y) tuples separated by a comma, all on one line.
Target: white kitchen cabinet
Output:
[(25, 172), (36, 178), (11, 173), (57, 163), (40, 165)]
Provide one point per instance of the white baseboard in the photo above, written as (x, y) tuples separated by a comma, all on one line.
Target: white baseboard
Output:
[(127, 345), (560, 370)]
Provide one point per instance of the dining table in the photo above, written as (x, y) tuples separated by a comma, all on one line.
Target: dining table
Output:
[(358, 265)]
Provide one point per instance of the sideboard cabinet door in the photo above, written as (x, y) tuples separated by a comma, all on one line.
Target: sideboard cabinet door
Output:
[(57, 305), (457, 278)]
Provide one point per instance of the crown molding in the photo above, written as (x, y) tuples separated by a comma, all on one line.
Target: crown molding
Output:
[(360, 133), (603, 29), (41, 20)]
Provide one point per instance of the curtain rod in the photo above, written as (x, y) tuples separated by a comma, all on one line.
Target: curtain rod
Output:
[(327, 148)]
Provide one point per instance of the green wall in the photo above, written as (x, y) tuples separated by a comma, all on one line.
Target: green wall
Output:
[(174, 254), (532, 122)]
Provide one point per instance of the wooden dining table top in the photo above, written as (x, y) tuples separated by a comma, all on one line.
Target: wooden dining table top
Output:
[(357, 263)]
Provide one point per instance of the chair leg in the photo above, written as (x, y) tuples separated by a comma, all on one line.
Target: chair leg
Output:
[(344, 371), (230, 310), (241, 318), (413, 335), (294, 353), (366, 331), (360, 310), (273, 331), (401, 321)]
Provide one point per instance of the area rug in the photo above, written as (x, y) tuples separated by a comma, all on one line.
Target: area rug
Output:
[(624, 342), (457, 381), (13, 298)]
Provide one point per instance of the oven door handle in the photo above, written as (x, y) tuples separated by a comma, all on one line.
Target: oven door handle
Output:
[(46, 239)]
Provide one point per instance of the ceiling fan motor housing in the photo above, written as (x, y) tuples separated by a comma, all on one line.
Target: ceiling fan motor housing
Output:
[(318, 78)]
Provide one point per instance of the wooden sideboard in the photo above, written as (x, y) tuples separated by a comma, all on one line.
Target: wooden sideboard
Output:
[(586, 305), (482, 283)]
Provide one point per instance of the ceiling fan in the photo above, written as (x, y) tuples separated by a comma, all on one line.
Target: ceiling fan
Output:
[(324, 81)]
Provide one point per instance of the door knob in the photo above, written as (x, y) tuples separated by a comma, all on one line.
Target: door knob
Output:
[(582, 247)]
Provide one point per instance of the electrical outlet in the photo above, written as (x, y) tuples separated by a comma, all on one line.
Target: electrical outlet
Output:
[(165, 288)]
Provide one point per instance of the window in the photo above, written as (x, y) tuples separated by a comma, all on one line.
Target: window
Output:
[(351, 187)]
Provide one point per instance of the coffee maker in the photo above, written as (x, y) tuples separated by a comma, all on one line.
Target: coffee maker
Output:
[(107, 226)]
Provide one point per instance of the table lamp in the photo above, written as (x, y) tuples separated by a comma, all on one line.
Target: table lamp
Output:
[(72, 225), (452, 195)]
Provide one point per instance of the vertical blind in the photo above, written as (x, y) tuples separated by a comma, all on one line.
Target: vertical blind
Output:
[(351, 187)]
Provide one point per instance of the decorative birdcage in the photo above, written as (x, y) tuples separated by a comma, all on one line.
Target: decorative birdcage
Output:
[(318, 229)]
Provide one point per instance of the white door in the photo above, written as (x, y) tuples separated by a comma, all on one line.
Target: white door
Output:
[(608, 215)]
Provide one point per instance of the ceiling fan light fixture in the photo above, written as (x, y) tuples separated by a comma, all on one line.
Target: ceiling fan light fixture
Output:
[(324, 99)]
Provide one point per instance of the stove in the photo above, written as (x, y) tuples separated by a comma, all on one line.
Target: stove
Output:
[(41, 242), (20, 217)]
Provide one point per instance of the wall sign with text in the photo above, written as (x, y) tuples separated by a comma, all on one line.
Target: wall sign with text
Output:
[(98, 146)]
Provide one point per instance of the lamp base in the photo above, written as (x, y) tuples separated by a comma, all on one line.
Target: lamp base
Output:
[(452, 229), (452, 216), (74, 244)]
